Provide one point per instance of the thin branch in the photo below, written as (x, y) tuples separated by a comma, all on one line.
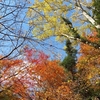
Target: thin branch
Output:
[(12, 51)]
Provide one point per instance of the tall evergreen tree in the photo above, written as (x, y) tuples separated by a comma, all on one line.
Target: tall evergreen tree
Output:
[(70, 60)]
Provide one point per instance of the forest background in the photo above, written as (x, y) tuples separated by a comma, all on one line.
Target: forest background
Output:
[(49, 50)]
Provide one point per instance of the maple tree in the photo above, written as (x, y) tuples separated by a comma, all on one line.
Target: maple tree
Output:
[(52, 82), (34, 77), (89, 68)]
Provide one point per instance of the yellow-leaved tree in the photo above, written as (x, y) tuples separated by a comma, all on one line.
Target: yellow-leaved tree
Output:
[(60, 18)]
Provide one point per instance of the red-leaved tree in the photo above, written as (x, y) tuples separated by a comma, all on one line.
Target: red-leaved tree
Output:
[(34, 77)]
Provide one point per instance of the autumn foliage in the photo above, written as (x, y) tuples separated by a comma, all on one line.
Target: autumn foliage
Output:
[(88, 67), (33, 77)]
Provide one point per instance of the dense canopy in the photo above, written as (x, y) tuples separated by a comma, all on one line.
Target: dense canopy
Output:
[(49, 50)]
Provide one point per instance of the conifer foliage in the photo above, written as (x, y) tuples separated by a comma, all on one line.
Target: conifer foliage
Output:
[(70, 60)]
